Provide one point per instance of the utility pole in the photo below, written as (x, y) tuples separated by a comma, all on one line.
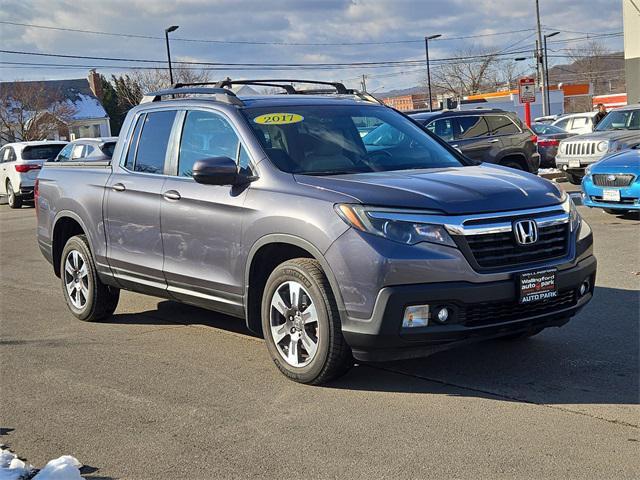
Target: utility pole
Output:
[(363, 83), (426, 48), (539, 60), (547, 100)]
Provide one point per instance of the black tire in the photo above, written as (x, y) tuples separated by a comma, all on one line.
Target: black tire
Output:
[(14, 201), (522, 336), (573, 179), (333, 356), (512, 164), (101, 300), (615, 211)]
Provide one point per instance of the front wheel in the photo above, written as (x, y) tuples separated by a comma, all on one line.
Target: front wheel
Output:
[(15, 201), (301, 323), (87, 297)]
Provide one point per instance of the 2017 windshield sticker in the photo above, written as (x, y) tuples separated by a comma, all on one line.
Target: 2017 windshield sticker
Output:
[(278, 118)]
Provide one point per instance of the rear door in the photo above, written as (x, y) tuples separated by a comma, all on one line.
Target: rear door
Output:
[(132, 205), (471, 135), (511, 137), (201, 224)]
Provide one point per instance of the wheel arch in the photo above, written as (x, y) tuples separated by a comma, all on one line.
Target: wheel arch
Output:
[(268, 252), (66, 225), (517, 157)]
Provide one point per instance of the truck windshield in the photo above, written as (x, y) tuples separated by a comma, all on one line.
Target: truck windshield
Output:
[(327, 140), (620, 120)]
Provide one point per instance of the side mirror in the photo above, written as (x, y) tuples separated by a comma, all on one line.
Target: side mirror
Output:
[(216, 171)]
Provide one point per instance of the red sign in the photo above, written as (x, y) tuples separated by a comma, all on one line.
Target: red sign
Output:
[(527, 90)]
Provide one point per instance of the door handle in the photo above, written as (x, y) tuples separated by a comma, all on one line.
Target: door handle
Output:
[(118, 187), (495, 140), (171, 195)]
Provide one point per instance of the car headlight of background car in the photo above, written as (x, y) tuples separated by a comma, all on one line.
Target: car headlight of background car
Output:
[(602, 147), (386, 223)]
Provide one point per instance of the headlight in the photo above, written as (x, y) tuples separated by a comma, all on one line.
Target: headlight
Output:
[(570, 207), (603, 146), (384, 223)]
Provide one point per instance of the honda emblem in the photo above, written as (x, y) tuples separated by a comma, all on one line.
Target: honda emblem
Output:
[(525, 231)]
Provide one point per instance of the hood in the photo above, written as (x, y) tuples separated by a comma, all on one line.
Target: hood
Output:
[(607, 135), (627, 160), (459, 190)]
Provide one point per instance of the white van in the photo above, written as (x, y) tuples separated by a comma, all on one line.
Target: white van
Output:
[(577, 122)]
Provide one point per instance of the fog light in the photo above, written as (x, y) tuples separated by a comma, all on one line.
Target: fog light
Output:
[(416, 316), (443, 314), (584, 288)]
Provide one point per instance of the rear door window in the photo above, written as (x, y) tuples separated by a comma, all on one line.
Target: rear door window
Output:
[(152, 145), (77, 152), (471, 126), (501, 125)]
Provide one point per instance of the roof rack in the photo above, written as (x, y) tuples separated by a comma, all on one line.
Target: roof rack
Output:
[(222, 94)]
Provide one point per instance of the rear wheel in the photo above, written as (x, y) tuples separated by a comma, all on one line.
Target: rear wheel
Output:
[(87, 297), (15, 201), (301, 323), (615, 211)]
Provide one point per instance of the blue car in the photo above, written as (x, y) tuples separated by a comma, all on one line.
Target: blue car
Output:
[(613, 183)]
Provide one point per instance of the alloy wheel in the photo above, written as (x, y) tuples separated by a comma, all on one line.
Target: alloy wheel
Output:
[(294, 324), (76, 279)]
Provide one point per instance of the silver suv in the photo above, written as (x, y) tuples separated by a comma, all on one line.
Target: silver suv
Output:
[(619, 130)]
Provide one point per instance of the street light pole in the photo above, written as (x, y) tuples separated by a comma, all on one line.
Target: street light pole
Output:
[(173, 28), (426, 47), (546, 72)]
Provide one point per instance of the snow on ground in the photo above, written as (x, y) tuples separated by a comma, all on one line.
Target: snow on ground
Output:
[(63, 468), (548, 170)]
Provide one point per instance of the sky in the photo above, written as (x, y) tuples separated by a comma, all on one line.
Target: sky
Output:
[(272, 31)]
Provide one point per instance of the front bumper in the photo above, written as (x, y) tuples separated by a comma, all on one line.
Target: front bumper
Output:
[(381, 338), (592, 196)]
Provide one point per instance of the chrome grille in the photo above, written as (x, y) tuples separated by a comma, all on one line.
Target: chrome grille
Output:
[(581, 148), (608, 180), (495, 250)]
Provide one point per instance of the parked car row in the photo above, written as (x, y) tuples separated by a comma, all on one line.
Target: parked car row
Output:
[(20, 162)]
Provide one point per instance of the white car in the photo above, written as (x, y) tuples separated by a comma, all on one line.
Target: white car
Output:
[(577, 123), (20, 164)]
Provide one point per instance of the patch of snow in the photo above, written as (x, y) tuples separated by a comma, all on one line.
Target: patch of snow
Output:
[(548, 170), (63, 468), (88, 107)]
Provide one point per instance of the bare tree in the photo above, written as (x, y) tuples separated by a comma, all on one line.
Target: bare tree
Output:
[(32, 111), (464, 75), (590, 60)]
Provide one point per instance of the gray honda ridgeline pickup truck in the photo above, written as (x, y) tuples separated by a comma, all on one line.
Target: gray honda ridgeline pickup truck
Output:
[(272, 209)]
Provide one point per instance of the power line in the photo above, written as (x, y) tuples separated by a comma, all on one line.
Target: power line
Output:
[(255, 42)]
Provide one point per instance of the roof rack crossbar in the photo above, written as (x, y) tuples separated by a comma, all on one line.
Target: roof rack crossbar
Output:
[(222, 94), (339, 87)]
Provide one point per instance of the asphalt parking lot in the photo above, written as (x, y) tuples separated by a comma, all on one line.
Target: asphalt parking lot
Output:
[(170, 391)]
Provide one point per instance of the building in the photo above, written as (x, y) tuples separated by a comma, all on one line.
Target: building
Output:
[(406, 103), (86, 114), (631, 27)]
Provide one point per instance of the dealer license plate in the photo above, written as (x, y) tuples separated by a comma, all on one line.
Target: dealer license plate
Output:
[(574, 163), (537, 286), (610, 195)]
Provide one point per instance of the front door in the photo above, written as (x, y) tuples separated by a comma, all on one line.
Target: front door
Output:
[(132, 206), (202, 224)]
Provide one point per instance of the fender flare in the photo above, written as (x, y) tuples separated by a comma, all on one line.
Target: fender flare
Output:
[(305, 245)]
